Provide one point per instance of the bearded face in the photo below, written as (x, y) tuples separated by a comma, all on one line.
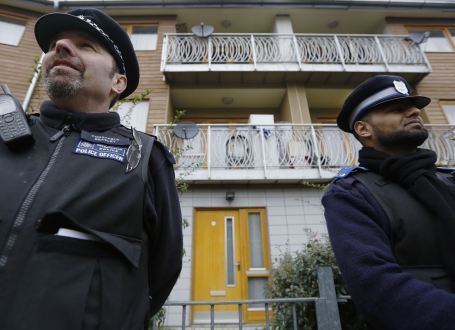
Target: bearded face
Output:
[(394, 127), (413, 137), (57, 81)]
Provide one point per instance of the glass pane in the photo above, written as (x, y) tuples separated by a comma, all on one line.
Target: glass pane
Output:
[(144, 37), (136, 117), (219, 138), (256, 290), (450, 112), (11, 31), (230, 270), (333, 146), (255, 237), (145, 29), (437, 42)]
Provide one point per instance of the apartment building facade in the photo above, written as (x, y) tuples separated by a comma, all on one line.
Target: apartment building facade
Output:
[(264, 89)]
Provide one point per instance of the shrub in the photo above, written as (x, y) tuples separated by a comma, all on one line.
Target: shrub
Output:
[(160, 317), (296, 277)]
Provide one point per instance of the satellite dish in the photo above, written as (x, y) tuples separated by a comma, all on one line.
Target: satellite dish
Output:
[(418, 38), (186, 130), (202, 30)]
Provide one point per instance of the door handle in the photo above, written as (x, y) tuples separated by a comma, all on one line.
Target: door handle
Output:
[(238, 265)]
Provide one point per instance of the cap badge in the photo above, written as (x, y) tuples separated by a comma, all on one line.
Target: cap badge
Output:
[(401, 87)]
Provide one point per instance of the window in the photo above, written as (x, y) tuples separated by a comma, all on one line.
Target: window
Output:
[(439, 40), (230, 252), (257, 266), (11, 30), (137, 117), (449, 109), (143, 37)]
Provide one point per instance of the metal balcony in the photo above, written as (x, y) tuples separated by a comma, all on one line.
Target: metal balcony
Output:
[(310, 58), (277, 153)]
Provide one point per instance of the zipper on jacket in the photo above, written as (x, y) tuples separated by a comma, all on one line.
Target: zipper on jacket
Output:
[(64, 132), (19, 221)]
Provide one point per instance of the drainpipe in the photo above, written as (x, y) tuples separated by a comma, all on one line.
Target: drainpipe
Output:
[(32, 86), (37, 73)]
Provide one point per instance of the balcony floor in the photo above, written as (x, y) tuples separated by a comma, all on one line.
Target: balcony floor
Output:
[(224, 74), (259, 176)]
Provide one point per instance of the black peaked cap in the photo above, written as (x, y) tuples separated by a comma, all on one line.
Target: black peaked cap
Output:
[(99, 25), (376, 90)]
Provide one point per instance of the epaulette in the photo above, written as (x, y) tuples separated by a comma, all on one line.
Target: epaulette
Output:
[(166, 151), (345, 171)]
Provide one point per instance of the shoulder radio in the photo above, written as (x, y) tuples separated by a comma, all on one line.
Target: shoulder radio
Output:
[(14, 129)]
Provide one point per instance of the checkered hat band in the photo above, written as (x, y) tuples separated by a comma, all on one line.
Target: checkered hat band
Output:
[(375, 98), (89, 21)]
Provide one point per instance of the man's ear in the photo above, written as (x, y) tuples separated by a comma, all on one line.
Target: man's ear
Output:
[(119, 83), (363, 129)]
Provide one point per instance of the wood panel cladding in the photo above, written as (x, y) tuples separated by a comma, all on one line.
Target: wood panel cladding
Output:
[(149, 63), (439, 84), (17, 64)]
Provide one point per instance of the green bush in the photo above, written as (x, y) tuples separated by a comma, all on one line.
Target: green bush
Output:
[(160, 318), (296, 277)]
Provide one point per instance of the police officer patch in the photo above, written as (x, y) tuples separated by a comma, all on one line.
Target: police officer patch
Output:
[(100, 146)]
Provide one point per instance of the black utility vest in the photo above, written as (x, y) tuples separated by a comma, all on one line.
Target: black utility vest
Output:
[(45, 279), (412, 235)]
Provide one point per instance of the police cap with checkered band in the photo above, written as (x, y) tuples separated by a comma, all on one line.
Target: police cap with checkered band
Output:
[(376, 90), (99, 25)]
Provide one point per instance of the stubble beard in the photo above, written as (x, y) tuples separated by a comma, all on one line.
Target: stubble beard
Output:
[(58, 84), (413, 137)]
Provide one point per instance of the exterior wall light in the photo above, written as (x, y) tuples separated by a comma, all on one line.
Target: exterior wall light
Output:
[(227, 100), (230, 195), (226, 23), (333, 24)]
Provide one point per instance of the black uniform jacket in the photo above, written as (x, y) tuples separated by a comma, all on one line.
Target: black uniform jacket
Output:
[(77, 181)]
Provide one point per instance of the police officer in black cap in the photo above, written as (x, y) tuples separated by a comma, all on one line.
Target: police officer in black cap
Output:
[(391, 220), (90, 223)]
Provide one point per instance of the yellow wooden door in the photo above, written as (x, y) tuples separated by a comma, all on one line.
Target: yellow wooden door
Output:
[(216, 270), (230, 262)]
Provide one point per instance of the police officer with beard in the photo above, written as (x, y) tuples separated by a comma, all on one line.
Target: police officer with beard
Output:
[(90, 223), (391, 220)]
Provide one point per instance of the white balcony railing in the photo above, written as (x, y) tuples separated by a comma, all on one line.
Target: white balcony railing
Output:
[(279, 152), (294, 52)]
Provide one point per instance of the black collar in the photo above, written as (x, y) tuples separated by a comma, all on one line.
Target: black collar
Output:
[(57, 118)]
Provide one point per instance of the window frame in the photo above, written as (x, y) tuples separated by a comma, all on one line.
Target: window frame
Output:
[(129, 30), (128, 103), (251, 272), (233, 227), (444, 29), (14, 18), (444, 110)]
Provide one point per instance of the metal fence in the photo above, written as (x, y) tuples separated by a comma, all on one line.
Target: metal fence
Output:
[(327, 314), (282, 146), (300, 49)]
